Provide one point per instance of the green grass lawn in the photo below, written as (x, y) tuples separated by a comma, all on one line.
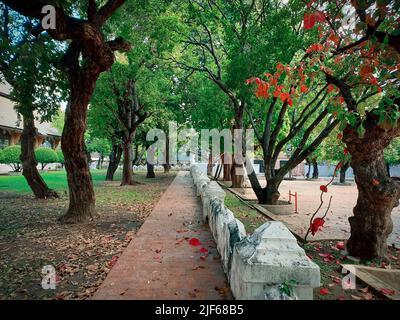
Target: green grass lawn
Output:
[(55, 179), (250, 217)]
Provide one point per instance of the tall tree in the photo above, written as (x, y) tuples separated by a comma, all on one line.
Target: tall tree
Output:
[(302, 119), (227, 40), (359, 56), (89, 53), (137, 85), (27, 64)]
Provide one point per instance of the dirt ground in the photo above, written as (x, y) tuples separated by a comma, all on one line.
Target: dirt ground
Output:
[(343, 200), (31, 238)]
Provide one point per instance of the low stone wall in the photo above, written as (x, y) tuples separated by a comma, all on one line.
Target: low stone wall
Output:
[(267, 265)]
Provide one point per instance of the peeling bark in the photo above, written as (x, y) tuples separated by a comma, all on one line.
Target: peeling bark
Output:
[(115, 159), (29, 163), (378, 194)]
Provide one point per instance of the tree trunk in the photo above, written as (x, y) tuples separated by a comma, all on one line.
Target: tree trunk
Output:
[(268, 195), (343, 171), (150, 171), (388, 168), (150, 162), (237, 170), (166, 165), (99, 163), (29, 163), (308, 163), (127, 170), (236, 176), (115, 158), (210, 165), (227, 160), (271, 191), (378, 194), (315, 174), (80, 185)]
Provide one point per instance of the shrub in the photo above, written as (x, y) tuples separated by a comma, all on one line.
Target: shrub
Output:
[(60, 157), (45, 156), (11, 156), (1, 156)]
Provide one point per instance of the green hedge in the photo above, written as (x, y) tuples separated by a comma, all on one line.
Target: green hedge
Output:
[(60, 157)]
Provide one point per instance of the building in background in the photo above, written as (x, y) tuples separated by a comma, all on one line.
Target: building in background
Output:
[(11, 127)]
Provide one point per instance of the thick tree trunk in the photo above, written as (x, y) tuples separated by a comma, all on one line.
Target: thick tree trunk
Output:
[(29, 163), (237, 175), (271, 191), (378, 194), (127, 170), (268, 195), (150, 171), (115, 158), (80, 185), (343, 171), (315, 174)]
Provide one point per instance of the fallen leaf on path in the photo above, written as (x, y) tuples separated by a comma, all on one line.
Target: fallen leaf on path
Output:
[(324, 291), (194, 242), (203, 250), (198, 267), (388, 292), (340, 245)]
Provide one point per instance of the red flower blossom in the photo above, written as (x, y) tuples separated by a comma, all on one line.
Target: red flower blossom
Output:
[(309, 20), (284, 96), (323, 188), (316, 225)]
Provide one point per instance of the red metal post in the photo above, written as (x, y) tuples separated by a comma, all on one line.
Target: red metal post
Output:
[(295, 200)]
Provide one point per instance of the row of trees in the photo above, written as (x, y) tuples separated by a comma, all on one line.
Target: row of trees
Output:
[(141, 63)]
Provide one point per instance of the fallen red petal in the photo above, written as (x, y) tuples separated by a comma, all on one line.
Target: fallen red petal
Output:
[(324, 291), (194, 242)]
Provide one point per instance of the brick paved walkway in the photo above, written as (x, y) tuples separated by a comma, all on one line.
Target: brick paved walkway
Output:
[(160, 263)]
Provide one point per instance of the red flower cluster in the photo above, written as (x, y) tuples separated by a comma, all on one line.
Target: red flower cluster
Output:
[(311, 18), (316, 225)]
